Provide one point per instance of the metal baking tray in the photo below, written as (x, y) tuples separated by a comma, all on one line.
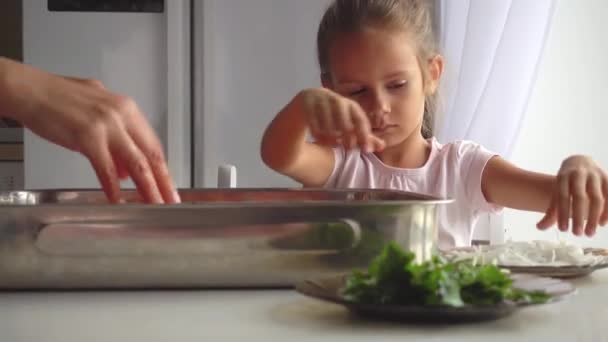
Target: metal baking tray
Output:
[(74, 239)]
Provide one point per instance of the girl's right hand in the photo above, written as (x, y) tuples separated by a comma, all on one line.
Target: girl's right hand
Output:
[(336, 120)]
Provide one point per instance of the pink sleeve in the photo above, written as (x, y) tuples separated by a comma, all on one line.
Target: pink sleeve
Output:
[(473, 160), (339, 158)]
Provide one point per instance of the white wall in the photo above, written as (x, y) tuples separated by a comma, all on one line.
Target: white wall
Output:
[(568, 112)]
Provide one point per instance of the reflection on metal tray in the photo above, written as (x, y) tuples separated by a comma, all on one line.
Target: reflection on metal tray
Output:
[(65, 239)]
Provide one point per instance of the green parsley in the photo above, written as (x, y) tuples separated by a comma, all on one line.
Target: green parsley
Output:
[(394, 278)]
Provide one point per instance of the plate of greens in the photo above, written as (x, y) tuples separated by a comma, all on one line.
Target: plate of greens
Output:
[(395, 287)]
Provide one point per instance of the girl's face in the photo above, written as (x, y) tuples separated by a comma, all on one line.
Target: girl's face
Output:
[(379, 69)]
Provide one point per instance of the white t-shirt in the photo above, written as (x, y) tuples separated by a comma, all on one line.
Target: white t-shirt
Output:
[(453, 171)]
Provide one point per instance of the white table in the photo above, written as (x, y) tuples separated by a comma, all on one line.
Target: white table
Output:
[(273, 315)]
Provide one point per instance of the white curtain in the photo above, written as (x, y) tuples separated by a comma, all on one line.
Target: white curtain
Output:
[(492, 50)]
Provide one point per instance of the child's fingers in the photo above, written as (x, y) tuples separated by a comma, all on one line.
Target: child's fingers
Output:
[(550, 216), (350, 141), (323, 115), (604, 216), (314, 126), (377, 143), (580, 201), (326, 140), (596, 204), (337, 120), (314, 121), (331, 123), (343, 118), (362, 128), (563, 208)]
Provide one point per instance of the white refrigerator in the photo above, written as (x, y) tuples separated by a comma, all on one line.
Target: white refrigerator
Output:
[(209, 75)]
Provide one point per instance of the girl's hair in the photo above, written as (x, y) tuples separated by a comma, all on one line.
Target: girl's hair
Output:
[(411, 16)]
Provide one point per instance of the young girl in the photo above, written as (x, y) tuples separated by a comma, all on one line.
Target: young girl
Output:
[(380, 70)]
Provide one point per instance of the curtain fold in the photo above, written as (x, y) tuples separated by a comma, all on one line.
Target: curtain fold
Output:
[(492, 50)]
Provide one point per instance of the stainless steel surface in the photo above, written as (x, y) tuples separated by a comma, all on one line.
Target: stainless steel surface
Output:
[(216, 238)]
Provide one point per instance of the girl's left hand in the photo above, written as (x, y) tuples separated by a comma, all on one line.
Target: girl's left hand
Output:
[(581, 193)]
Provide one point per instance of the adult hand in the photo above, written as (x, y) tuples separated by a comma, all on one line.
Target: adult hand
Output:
[(83, 116)]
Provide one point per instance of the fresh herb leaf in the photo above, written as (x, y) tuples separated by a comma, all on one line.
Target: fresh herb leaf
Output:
[(394, 278), (531, 297)]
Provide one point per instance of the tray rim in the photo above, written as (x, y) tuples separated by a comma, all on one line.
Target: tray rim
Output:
[(422, 199)]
